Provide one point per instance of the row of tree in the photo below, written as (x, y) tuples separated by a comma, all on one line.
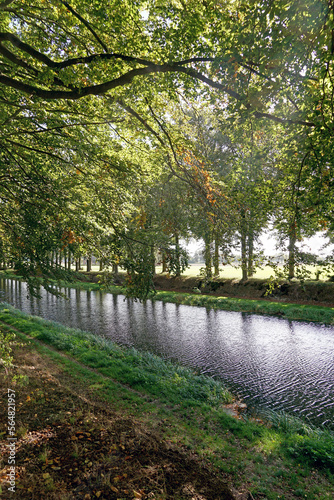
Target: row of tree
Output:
[(127, 126)]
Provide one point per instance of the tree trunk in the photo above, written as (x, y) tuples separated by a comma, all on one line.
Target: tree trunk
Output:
[(115, 268), (152, 260), (250, 253), (77, 265), (89, 264), (292, 252), (243, 241), (69, 259), (207, 258), (216, 258), (101, 265), (177, 255), (164, 263)]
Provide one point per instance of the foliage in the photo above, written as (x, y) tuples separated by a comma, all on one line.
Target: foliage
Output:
[(101, 104), (7, 339)]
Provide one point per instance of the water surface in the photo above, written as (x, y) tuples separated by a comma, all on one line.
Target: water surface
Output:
[(271, 363)]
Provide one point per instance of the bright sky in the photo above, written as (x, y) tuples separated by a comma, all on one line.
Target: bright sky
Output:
[(313, 245)]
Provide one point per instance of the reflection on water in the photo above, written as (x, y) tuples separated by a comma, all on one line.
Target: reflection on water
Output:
[(271, 363)]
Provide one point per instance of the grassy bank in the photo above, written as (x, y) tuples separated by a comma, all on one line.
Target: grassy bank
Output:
[(284, 459), (289, 311), (283, 310)]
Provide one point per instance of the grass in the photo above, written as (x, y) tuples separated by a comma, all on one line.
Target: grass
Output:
[(175, 385), (284, 310), (280, 459), (141, 370), (230, 272)]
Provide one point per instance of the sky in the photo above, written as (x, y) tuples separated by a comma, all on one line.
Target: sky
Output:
[(313, 245)]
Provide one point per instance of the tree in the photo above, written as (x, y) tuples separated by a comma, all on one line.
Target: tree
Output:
[(75, 76)]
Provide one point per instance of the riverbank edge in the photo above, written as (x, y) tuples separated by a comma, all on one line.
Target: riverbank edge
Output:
[(203, 425), (284, 310)]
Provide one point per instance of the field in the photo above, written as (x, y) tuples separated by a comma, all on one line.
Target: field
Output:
[(230, 272)]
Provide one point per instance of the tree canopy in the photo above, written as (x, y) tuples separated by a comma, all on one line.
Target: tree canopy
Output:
[(98, 101)]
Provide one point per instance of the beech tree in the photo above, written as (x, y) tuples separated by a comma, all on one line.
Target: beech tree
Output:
[(70, 71)]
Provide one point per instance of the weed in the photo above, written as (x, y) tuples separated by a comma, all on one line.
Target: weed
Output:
[(43, 456), (21, 380), (21, 432)]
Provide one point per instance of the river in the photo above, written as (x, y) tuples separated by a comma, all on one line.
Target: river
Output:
[(271, 363)]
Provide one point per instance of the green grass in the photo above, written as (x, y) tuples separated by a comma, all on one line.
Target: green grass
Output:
[(195, 399), (286, 457), (229, 272), (283, 310), (143, 371)]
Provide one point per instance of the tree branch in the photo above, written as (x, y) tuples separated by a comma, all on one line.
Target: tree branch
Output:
[(4, 4), (39, 56), (150, 68), (86, 23), (132, 112)]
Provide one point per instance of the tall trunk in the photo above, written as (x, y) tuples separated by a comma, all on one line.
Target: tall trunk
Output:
[(177, 254), (243, 241), (101, 265), (292, 252), (89, 264), (69, 262), (115, 268), (77, 265), (207, 257), (216, 258), (65, 259), (250, 253), (164, 263), (152, 260)]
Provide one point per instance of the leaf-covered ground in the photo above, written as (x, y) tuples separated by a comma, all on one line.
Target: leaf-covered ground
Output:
[(71, 446)]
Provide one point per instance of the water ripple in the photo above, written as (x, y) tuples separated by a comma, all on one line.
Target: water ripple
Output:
[(270, 362)]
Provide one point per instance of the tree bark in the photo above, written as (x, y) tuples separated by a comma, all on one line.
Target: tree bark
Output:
[(177, 255), (89, 264), (164, 263), (69, 260), (292, 252), (152, 260), (207, 258), (243, 241), (250, 264), (216, 258)]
